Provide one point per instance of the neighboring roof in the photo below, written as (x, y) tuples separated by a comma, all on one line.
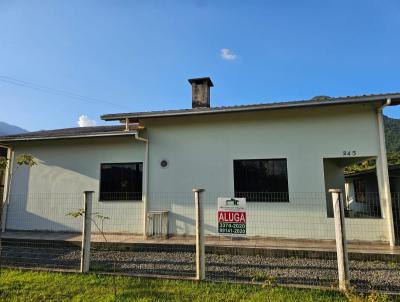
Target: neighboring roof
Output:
[(370, 171), (118, 130), (326, 101)]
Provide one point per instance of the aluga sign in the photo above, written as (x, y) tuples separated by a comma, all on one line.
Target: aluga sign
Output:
[(232, 216)]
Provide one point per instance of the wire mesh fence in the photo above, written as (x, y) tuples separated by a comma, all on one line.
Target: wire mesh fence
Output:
[(40, 254), (281, 239), (396, 215), (294, 243), (377, 266), (122, 245), (44, 236)]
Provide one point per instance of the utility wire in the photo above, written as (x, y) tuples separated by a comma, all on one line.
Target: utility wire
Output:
[(54, 91)]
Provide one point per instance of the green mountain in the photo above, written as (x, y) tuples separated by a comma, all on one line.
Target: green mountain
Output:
[(392, 137), (392, 134)]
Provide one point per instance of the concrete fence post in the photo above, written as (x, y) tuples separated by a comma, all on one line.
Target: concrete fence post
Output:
[(200, 247), (86, 231), (341, 242)]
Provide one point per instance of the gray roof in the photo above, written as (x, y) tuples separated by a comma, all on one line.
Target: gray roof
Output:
[(118, 130), (78, 132), (320, 101)]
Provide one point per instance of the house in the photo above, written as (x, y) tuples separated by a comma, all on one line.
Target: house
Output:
[(362, 193), (282, 157), (361, 189)]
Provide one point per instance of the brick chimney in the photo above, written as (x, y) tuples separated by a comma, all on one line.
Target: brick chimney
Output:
[(201, 92)]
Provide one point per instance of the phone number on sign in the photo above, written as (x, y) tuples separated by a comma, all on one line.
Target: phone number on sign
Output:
[(231, 231), (232, 225), (231, 228)]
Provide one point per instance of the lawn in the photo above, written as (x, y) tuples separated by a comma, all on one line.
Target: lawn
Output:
[(19, 285)]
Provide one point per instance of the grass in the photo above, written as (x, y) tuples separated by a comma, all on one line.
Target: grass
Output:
[(20, 285)]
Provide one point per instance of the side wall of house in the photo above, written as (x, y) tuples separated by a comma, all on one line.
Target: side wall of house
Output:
[(200, 152), (334, 178), (43, 195)]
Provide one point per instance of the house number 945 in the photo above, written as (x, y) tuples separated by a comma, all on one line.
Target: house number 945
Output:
[(349, 152)]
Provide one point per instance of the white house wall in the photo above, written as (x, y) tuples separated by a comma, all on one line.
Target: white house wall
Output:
[(43, 195), (201, 150)]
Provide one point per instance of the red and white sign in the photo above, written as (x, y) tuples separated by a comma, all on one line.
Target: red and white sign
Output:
[(238, 217), (231, 216)]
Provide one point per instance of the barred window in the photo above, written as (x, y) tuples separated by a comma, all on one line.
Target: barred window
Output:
[(359, 190), (121, 181), (261, 180), (3, 152)]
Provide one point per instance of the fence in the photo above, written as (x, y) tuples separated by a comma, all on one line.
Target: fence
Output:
[(281, 239), (46, 237)]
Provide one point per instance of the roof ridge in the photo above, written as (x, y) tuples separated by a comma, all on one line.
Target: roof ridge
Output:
[(260, 106)]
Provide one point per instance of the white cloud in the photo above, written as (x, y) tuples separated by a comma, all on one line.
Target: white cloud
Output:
[(228, 54), (85, 121)]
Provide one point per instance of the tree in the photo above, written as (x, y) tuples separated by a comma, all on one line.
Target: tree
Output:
[(392, 135), (81, 213)]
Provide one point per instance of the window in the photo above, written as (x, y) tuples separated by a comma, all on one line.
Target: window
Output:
[(121, 181), (359, 190), (3, 153), (2, 177), (261, 180)]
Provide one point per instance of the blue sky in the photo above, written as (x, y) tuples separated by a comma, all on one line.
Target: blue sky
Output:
[(138, 55)]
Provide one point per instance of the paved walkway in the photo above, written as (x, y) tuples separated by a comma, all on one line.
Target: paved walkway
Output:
[(256, 243)]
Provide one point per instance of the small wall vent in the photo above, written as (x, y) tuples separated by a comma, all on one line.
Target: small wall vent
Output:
[(164, 163)]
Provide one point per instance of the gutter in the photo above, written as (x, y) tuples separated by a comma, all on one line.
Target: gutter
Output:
[(384, 173), (145, 180)]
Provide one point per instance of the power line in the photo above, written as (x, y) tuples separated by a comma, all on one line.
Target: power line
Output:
[(55, 91)]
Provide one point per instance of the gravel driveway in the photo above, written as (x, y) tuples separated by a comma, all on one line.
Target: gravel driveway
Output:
[(377, 275)]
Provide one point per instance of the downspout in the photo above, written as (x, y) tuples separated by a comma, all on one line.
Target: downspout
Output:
[(7, 188), (385, 184), (145, 181)]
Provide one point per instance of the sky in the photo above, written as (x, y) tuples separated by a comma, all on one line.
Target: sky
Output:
[(65, 63)]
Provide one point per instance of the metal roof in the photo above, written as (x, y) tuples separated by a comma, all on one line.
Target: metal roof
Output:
[(371, 171), (119, 130), (78, 132), (326, 101)]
